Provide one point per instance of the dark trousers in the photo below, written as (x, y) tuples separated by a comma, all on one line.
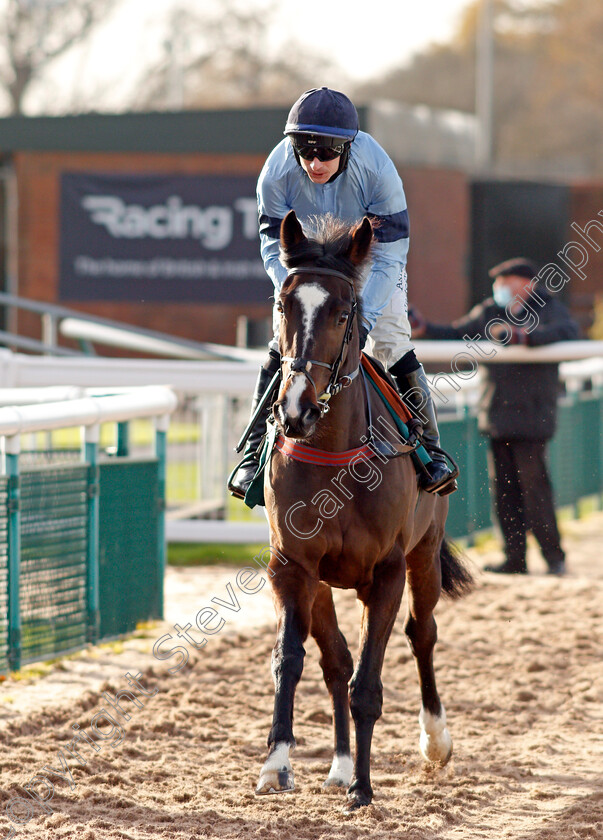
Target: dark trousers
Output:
[(523, 498)]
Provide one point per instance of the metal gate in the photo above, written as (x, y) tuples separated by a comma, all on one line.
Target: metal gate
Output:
[(82, 538)]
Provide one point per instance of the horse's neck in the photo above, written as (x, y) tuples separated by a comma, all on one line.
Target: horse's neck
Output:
[(346, 422)]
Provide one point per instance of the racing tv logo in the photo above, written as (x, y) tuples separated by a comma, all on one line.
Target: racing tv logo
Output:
[(212, 226)]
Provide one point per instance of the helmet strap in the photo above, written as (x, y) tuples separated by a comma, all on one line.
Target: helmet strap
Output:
[(343, 163)]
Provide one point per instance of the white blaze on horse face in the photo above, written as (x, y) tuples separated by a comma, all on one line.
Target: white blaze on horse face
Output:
[(292, 404), (311, 296)]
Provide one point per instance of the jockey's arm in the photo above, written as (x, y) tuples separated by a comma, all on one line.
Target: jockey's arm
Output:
[(272, 209), (388, 211)]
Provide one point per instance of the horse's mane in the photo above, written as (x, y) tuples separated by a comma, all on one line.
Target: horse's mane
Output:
[(327, 244)]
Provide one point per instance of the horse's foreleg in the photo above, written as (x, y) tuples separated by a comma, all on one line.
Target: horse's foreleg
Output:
[(424, 587), (381, 604), (337, 668), (294, 593)]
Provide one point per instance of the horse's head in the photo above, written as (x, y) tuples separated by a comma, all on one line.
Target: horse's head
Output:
[(318, 307)]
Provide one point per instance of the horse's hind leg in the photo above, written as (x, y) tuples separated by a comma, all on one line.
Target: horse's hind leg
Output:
[(294, 591), (337, 669), (424, 587)]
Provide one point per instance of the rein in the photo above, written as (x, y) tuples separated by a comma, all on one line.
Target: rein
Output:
[(301, 365)]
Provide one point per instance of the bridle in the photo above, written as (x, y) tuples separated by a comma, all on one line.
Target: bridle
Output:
[(300, 364)]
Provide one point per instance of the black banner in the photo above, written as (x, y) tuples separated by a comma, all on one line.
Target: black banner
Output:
[(160, 237)]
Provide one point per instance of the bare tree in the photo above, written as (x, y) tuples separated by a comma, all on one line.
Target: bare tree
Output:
[(33, 33), (547, 86), (226, 56)]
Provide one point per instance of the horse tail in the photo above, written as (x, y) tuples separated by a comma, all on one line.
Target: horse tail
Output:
[(457, 580)]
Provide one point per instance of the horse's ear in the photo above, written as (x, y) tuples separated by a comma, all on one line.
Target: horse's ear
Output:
[(362, 239), (291, 231)]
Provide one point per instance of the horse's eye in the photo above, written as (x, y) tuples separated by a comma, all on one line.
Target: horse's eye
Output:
[(279, 307), (343, 318)]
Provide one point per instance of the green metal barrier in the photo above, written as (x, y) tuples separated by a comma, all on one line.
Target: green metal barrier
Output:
[(470, 505), (575, 456), (130, 571), (82, 552), (52, 584), (576, 450), (4, 648)]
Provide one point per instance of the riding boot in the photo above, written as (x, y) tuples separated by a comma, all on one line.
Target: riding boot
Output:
[(251, 456), (417, 397)]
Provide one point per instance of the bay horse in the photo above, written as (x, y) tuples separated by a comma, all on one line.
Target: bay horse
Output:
[(367, 527)]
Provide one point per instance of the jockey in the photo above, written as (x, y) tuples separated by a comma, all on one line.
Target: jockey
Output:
[(326, 165)]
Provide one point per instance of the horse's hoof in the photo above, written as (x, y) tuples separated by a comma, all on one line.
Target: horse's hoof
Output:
[(436, 754), (356, 801), (341, 772), (435, 742), (359, 796), (333, 781), (275, 781), (276, 776), (271, 783)]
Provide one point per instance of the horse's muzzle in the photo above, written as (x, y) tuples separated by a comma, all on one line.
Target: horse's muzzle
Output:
[(299, 425)]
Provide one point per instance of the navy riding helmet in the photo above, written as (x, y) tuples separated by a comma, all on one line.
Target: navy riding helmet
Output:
[(323, 119)]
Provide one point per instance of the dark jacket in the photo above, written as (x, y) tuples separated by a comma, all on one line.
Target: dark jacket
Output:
[(518, 401)]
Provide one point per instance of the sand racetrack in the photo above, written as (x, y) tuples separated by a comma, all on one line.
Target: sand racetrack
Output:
[(520, 670)]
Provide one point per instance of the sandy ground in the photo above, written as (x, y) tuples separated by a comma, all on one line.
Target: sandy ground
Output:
[(519, 665)]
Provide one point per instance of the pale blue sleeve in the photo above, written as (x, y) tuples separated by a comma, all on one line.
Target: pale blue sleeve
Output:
[(387, 208), (272, 209)]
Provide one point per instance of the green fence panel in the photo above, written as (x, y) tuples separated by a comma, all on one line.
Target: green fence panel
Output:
[(131, 583), (3, 574), (53, 530), (575, 451), (585, 440), (562, 455), (470, 506)]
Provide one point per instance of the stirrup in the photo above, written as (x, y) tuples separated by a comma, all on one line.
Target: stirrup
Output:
[(447, 484)]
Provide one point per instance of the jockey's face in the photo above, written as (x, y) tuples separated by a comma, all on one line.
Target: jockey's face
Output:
[(320, 171)]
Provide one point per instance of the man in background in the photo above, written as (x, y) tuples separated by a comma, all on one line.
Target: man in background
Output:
[(517, 407)]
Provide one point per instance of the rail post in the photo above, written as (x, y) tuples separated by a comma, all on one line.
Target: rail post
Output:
[(13, 448), (470, 477), (161, 427), (91, 436), (577, 487), (599, 393), (123, 440)]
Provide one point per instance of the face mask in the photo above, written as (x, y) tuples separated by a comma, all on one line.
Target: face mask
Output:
[(502, 295)]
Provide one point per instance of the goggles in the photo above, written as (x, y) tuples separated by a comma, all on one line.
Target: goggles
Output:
[(323, 153)]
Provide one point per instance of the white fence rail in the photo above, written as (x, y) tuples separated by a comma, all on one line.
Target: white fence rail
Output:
[(152, 401), (18, 370), (217, 393)]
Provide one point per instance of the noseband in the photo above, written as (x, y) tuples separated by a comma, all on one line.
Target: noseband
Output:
[(301, 365)]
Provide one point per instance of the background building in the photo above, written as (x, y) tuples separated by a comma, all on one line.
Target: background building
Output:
[(150, 219)]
